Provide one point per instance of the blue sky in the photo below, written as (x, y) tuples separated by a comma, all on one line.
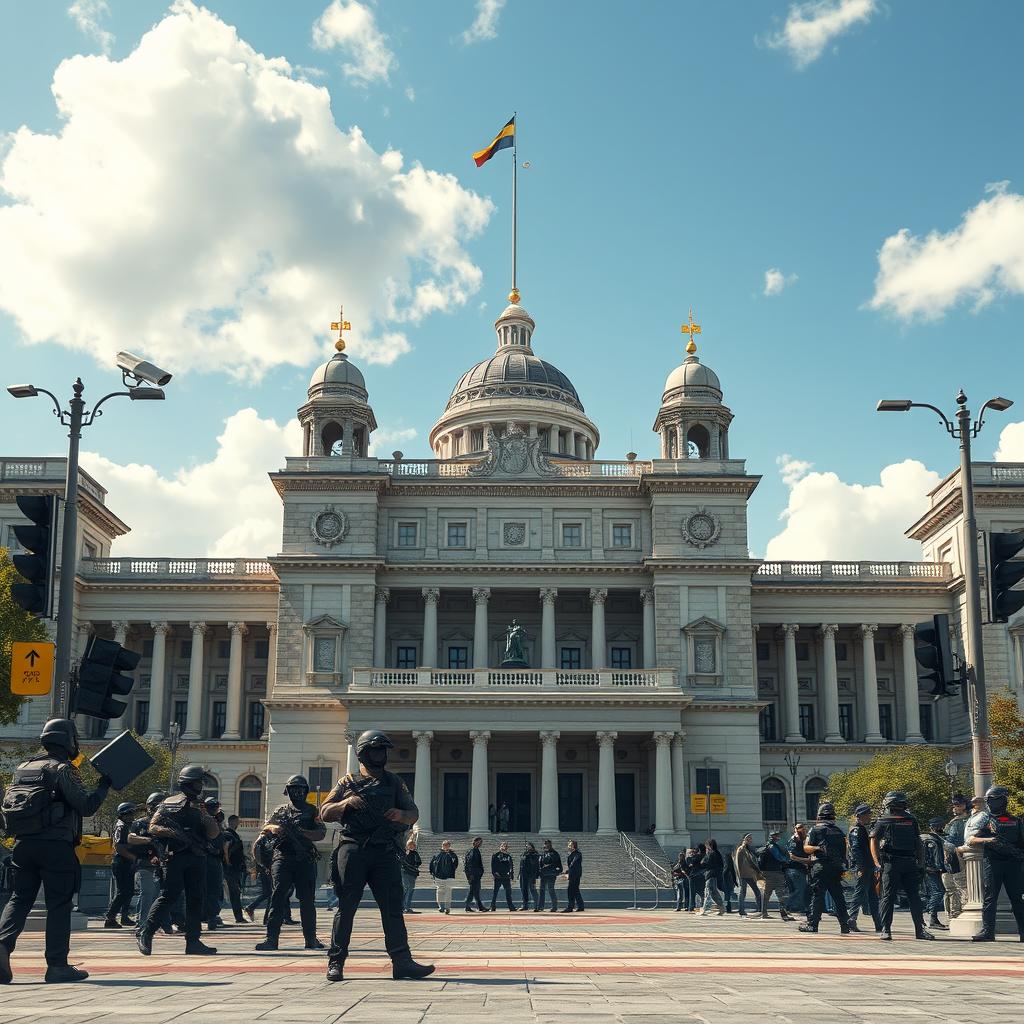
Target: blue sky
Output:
[(679, 152)]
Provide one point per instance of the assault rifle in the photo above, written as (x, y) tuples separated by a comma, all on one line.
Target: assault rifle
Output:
[(370, 820), (288, 820), (174, 838)]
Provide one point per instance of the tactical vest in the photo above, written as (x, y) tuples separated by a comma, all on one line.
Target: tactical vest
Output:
[(1009, 829), (834, 843), (380, 795), (901, 836)]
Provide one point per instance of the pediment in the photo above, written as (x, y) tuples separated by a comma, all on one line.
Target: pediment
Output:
[(705, 624), (324, 622)]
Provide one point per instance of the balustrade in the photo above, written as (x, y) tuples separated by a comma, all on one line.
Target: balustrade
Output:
[(517, 678)]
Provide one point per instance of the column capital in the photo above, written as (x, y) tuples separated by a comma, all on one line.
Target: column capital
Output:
[(647, 595), (548, 595), (906, 631), (607, 739), (423, 738), (431, 595), (481, 595), (662, 739), (789, 629), (755, 627), (271, 628), (549, 738), (828, 629), (160, 628), (350, 737), (598, 595), (868, 630), (199, 627), (480, 737), (679, 738), (382, 595), (238, 627), (126, 626)]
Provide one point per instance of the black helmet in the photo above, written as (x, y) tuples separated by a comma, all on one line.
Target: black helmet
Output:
[(191, 779), (997, 797), (60, 732), (297, 782), (210, 802), (155, 798), (372, 738), (124, 808), (826, 811), (896, 800)]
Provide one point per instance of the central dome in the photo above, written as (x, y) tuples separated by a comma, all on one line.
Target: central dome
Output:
[(516, 374)]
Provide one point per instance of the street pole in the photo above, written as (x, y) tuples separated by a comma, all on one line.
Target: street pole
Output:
[(172, 741), (792, 763)]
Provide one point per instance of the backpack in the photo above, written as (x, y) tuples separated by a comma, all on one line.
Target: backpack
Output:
[(263, 852), (30, 802), (765, 860)]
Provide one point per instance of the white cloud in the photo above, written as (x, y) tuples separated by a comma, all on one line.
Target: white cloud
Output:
[(352, 27), (485, 24), (200, 204), (223, 508), (383, 439), (827, 518), (410, 94), (775, 280), (975, 262), (1011, 443), (86, 15), (811, 26)]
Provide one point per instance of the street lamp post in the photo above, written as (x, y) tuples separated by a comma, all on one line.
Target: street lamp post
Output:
[(792, 763), (173, 735), (964, 431), (134, 372), (951, 772)]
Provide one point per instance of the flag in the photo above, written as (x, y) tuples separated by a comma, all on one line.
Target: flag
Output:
[(503, 140)]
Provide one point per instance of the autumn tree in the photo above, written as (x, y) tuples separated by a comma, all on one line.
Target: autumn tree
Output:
[(1007, 728)]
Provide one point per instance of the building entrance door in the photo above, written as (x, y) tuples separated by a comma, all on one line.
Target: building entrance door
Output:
[(456, 802), (570, 802), (513, 788), (625, 801)]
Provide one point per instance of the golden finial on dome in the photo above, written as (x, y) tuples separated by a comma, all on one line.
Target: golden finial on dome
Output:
[(341, 325), (691, 329), (513, 296)]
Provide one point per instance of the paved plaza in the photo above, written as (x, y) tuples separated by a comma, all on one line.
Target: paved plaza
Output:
[(637, 967)]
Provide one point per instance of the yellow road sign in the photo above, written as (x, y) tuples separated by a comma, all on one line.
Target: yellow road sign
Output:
[(698, 803), (718, 803), (31, 668)]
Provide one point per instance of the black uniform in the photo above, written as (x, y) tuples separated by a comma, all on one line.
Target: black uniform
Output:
[(473, 866), (529, 872), (294, 866), (234, 869), (826, 873), (48, 858), (502, 867), (574, 868), (367, 853), (1001, 867), (864, 896), (122, 868), (898, 837), (263, 857)]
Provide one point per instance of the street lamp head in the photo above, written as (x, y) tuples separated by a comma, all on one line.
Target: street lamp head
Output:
[(22, 391), (141, 369), (894, 405), (146, 394), (999, 404)]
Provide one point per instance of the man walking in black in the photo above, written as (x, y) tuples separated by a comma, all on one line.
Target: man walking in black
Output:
[(502, 871), (234, 866), (896, 852), (473, 868), (550, 869), (574, 872), (827, 845), (122, 870), (529, 872), (263, 858)]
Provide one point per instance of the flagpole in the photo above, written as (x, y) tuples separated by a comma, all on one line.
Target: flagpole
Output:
[(515, 192)]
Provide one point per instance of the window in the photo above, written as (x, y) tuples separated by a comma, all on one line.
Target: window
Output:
[(768, 734), (571, 657), (219, 720), (321, 778), (803, 652), (622, 657), (927, 728), (224, 649), (141, 716), (457, 535), (572, 535), (407, 535), (250, 797), (405, 657), (812, 797), (186, 648), (90, 550), (622, 535), (12, 541), (147, 648), (704, 660), (261, 650), (885, 720), (842, 651), (880, 650), (96, 728), (458, 657), (764, 651), (181, 714), (845, 722), (773, 800), (705, 777), (257, 718), (807, 721)]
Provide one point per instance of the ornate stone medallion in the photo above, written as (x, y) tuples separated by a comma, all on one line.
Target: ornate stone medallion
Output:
[(701, 528), (329, 526), (514, 534)]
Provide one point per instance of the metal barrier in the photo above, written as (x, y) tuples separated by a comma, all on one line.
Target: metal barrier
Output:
[(647, 868)]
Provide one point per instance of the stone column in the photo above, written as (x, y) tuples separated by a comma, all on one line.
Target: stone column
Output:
[(790, 684), (598, 596), (830, 683), (570, 442), (968, 921), (1017, 653), (871, 726), (194, 715), (549, 781), (351, 761), (157, 681), (650, 645), (380, 624), (678, 782), (117, 725), (662, 784), (422, 783), (479, 784), (911, 698), (431, 595), (607, 816), (481, 595), (271, 657), (233, 722), (547, 627)]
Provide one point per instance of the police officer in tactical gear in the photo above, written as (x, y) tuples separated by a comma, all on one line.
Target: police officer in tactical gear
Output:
[(1002, 866), (934, 866), (827, 845), (122, 870), (896, 852), (374, 809), (184, 829), (43, 810), (296, 828), (863, 896), (147, 858), (213, 897)]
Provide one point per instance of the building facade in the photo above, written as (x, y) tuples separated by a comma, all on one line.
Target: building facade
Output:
[(587, 641)]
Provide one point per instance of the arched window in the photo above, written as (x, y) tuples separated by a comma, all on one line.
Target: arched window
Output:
[(812, 796), (773, 800), (331, 436), (698, 437), (250, 797)]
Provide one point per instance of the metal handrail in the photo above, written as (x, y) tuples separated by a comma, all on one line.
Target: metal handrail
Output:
[(656, 876)]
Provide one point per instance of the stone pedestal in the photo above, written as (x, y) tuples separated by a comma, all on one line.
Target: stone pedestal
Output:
[(969, 922)]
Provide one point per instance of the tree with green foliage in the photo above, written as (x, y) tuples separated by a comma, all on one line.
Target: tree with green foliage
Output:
[(916, 769), (16, 625), (1008, 746)]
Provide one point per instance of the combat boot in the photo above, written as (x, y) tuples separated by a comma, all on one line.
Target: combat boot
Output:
[(808, 928), (198, 948), (6, 976), (934, 922), (410, 969), (144, 940), (336, 970), (923, 933), (983, 937), (885, 935), (315, 943), (852, 926), (267, 945), (110, 923), (60, 973)]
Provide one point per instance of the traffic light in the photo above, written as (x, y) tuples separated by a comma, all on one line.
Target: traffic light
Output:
[(933, 653), (1003, 574), (100, 679), (39, 541)]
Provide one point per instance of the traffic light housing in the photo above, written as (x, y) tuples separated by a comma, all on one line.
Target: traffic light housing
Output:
[(1003, 574), (37, 563), (935, 656), (100, 679)]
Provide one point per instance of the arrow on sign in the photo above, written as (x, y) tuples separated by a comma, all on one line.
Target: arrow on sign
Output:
[(31, 657)]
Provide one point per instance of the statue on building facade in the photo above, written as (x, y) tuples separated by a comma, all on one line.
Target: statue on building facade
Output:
[(515, 651)]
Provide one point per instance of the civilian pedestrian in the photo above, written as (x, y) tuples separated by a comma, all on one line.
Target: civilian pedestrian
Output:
[(713, 865), (728, 880), (411, 862), (954, 881), (796, 869), (934, 868), (502, 873), (529, 872), (574, 873), (492, 818), (473, 868), (550, 869), (747, 873), (504, 817), (694, 860), (681, 880), (772, 861), (443, 866)]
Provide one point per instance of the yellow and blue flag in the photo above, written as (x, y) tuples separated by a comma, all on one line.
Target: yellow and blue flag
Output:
[(503, 140)]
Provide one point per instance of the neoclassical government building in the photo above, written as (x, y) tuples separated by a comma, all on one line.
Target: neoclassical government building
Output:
[(659, 659)]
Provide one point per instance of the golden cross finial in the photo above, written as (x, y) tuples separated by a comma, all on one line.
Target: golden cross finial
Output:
[(691, 329), (341, 325)]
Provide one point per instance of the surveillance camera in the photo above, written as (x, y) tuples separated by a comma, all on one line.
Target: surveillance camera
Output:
[(142, 369)]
